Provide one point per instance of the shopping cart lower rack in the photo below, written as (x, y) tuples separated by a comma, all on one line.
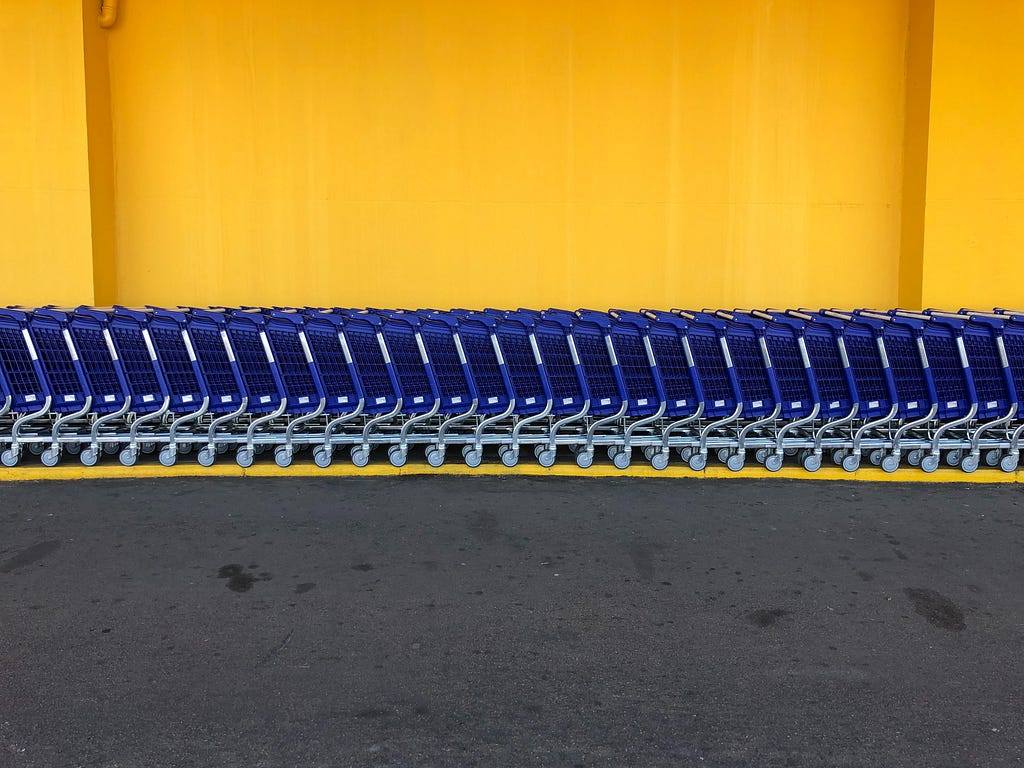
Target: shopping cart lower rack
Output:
[(892, 388)]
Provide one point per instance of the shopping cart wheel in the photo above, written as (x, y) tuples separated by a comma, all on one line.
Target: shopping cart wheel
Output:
[(149, 447), (89, 457), (953, 457), (222, 448), (168, 457), (9, 458), (510, 457), (659, 460), (474, 457), (50, 457), (970, 463), (812, 462), (613, 451), (622, 459), (129, 456), (723, 454), (685, 453), (244, 457), (547, 458), (110, 448), (838, 456), (852, 462), (207, 456), (73, 448), (585, 458), (736, 462), (698, 461), (360, 456), (791, 451), (36, 449), (891, 463), (185, 448), (930, 463), (1009, 462), (914, 457), (466, 449), (322, 457), (993, 457), (435, 456), (761, 455), (283, 456), (773, 463), (397, 455), (876, 456)]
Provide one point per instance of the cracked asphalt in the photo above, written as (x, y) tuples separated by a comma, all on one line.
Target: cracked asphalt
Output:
[(448, 621)]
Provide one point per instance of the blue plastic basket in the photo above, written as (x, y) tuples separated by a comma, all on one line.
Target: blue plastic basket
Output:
[(333, 360), (64, 378), (247, 335), (629, 338), (134, 344), (412, 369), (374, 369), (591, 334), (677, 372), (490, 376), (451, 369), (562, 366), (755, 377), (177, 358), (19, 359), (208, 331), (705, 335), (525, 374), (873, 380), (290, 346)]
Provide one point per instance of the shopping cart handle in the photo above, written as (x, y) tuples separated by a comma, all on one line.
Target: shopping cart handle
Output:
[(249, 317), (54, 314), (92, 314), (523, 318), (14, 314), (599, 319), (439, 317), (208, 314), (632, 318), (287, 315), (132, 314), (167, 314), (559, 317)]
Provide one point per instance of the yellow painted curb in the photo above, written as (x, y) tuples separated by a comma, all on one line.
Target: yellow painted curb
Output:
[(71, 470)]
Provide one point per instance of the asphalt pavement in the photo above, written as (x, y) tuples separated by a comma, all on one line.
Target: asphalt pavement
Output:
[(446, 621)]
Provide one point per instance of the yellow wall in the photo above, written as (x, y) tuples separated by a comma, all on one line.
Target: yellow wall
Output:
[(439, 152), (974, 227), (45, 248)]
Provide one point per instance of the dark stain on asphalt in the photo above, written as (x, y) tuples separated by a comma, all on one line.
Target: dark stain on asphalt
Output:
[(937, 609), (372, 713), (30, 555), (363, 567), (766, 617), (239, 580), (303, 588), (642, 555)]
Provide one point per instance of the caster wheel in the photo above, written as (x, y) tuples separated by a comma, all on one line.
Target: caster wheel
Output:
[(650, 451), (282, 456), (259, 450), (723, 455), (73, 448), (993, 457), (206, 456), (50, 457), (697, 462), (185, 448), (802, 455), (148, 448), (435, 457), (930, 463), (322, 457), (1009, 463), (613, 451), (812, 462), (36, 449), (659, 460), (890, 463), (914, 457), (466, 449), (852, 462), (9, 458), (547, 458), (622, 459), (510, 457), (473, 458), (685, 453), (773, 463), (838, 456), (167, 456), (876, 456), (397, 456), (970, 463), (584, 459), (244, 457), (222, 448), (360, 457), (735, 462), (129, 456), (89, 457), (110, 448), (792, 452), (537, 450), (953, 458), (761, 455)]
